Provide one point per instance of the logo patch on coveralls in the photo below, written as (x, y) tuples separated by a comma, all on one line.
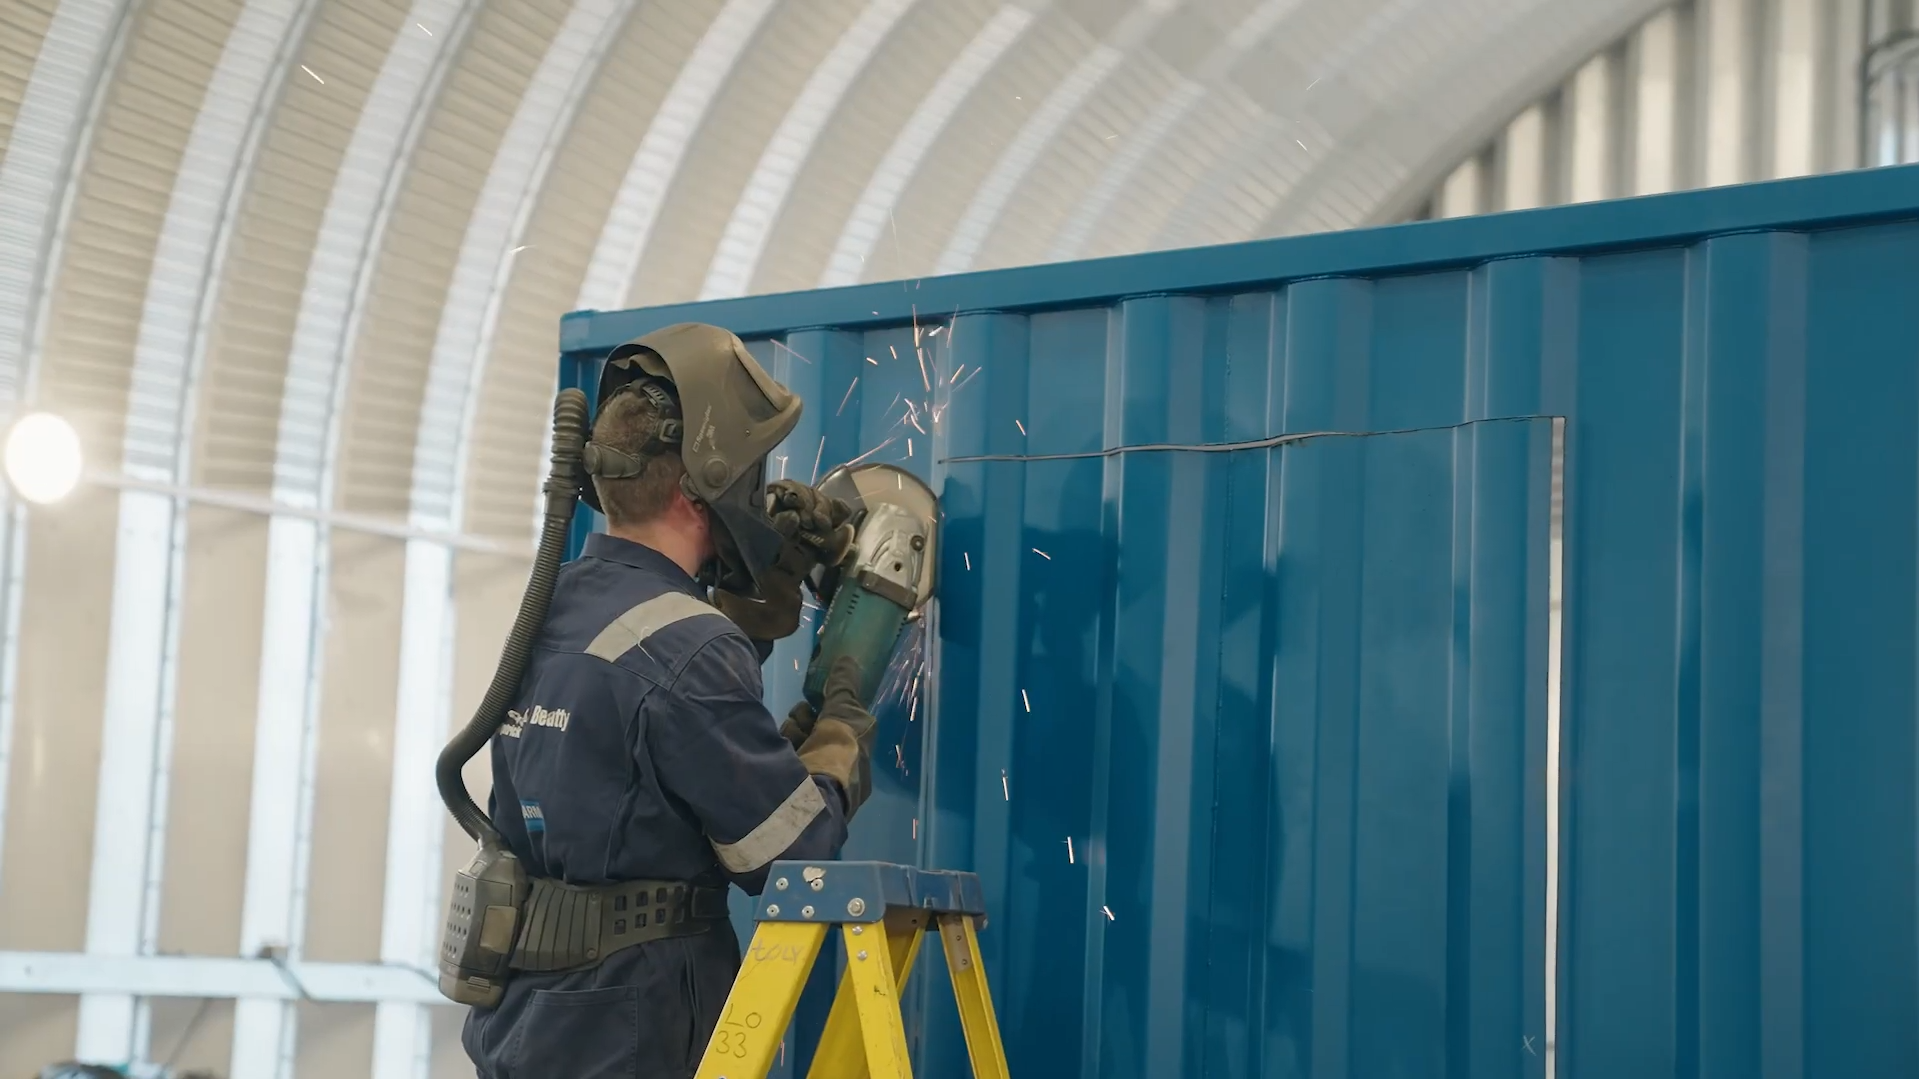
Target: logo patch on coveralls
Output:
[(517, 721), (535, 820)]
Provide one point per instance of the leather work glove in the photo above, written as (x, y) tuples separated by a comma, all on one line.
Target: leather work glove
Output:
[(798, 725), (839, 742), (815, 521), (816, 532)]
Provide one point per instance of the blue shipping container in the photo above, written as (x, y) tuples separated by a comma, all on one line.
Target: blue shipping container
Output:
[(1269, 756)]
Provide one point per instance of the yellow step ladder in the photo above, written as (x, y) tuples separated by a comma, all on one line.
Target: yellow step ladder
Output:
[(882, 911)]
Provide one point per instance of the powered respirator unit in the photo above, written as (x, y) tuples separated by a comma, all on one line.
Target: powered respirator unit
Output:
[(871, 597), (483, 915)]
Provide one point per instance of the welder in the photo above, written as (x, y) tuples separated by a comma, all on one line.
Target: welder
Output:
[(637, 772)]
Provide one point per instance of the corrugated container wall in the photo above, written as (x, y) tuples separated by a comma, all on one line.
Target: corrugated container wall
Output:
[(1255, 702)]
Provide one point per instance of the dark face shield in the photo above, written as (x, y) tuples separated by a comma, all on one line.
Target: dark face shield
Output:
[(743, 538), (733, 413)]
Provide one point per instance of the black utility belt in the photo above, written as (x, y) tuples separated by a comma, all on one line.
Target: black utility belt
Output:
[(575, 926)]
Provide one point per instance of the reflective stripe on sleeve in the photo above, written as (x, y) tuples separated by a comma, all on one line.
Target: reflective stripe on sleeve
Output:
[(777, 832), (643, 621)]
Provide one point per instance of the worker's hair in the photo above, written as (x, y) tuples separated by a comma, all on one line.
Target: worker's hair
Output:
[(628, 423)]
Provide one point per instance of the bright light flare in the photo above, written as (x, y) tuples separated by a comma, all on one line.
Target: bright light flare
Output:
[(43, 458)]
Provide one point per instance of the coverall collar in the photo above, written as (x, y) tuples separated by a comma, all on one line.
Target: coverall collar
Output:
[(638, 555)]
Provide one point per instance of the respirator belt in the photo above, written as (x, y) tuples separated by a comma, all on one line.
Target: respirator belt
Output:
[(572, 926)]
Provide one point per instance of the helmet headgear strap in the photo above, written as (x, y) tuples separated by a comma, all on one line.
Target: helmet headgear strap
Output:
[(607, 463)]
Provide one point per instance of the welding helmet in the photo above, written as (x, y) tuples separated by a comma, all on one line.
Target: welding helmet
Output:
[(723, 414)]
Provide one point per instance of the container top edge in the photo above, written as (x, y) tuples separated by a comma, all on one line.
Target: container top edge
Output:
[(1849, 198)]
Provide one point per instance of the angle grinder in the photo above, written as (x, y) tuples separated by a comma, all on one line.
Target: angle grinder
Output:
[(873, 596)]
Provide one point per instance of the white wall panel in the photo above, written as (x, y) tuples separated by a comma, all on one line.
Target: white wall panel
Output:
[(55, 763), (336, 1039), (194, 1035), (354, 754), (203, 207), (91, 331), (37, 1030)]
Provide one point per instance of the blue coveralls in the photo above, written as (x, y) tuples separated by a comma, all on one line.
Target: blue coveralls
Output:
[(638, 748)]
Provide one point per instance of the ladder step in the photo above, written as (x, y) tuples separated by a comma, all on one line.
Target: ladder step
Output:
[(883, 912)]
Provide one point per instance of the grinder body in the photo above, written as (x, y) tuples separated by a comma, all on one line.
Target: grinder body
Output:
[(889, 578)]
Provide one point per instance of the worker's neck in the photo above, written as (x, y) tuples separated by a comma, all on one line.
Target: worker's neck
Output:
[(682, 549)]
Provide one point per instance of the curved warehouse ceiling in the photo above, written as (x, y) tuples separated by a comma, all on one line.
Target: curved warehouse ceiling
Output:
[(293, 271), (316, 249)]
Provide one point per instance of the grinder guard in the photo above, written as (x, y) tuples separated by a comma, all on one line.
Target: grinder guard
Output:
[(483, 914), (889, 577)]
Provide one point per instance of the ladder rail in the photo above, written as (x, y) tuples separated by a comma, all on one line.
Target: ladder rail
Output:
[(883, 912)]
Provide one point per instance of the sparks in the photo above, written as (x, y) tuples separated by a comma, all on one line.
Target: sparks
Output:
[(872, 361), (1022, 428), (784, 345), (849, 394), (914, 419), (316, 78), (969, 561), (935, 331), (1108, 911), (956, 374), (909, 453), (782, 466), (870, 452), (1024, 701), (924, 381), (894, 351), (1042, 554), (899, 758), (1302, 146), (1004, 789), (520, 248), (817, 454), (796, 664), (916, 835), (424, 30), (1069, 850)]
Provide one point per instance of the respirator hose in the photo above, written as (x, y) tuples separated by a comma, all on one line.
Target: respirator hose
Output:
[(562, 489)]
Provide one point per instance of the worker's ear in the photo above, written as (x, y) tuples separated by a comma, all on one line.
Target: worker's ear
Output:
[(687, 508)]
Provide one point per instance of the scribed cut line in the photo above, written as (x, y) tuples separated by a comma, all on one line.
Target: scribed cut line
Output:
[(1234, 447)]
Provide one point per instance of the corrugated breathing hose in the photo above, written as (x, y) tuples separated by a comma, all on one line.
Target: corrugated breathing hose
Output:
[(562, 490)]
